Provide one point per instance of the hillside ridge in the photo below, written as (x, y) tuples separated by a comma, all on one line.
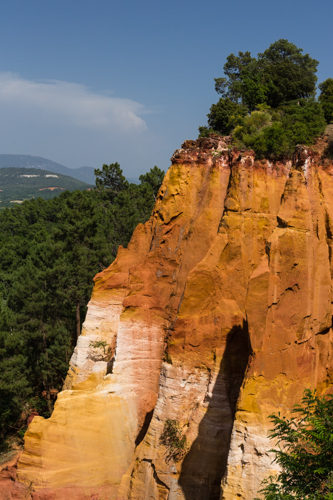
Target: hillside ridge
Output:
[(19, 184), (84, 174)]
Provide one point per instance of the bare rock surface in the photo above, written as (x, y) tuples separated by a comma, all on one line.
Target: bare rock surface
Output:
[(217, 314)]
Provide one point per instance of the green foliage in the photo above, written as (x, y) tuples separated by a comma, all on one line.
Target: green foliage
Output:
[(280, 74), (268, 102), (205, 131), (303, 120), (287, 73), (174, 441), (111, 177), (49, 253), (304, 451), (242, 83), (272, 133), (326, 98), (153, 179), (225, 115), (100, 344), (21, 432), (253, 124)]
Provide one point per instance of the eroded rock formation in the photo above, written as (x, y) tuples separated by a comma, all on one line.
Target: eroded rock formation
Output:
[(218, 313)]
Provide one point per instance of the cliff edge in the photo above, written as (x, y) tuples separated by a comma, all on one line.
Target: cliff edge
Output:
[(217, 314)]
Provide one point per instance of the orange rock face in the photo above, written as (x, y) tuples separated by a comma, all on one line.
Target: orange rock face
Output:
[(217, 314)]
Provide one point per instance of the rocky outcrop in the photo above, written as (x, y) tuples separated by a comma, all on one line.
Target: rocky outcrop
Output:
[(217, 314), (9, 487)]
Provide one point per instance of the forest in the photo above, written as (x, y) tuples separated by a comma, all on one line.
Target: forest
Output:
[(50, 251)]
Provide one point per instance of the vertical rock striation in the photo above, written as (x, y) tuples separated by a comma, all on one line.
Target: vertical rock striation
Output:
[(217, 314)]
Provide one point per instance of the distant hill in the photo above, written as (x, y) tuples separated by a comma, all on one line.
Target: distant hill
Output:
[(85, 174), (19, 184)]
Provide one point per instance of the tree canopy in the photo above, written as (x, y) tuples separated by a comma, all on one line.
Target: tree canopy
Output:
[(110, 177), (153, 179), (280, 74), (270, 85), (287, 74)]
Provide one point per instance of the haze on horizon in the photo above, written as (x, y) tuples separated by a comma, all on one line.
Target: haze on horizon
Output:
[(87, 83)]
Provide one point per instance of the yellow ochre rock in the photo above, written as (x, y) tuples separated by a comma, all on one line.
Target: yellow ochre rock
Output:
[(217, 314)]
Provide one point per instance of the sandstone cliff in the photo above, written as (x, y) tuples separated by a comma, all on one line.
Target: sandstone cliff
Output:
[(218, 313)]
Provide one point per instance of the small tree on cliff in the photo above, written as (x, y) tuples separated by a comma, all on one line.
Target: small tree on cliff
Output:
[(304, 451)]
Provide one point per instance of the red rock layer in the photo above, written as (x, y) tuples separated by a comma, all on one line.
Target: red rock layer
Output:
[(218, 313)]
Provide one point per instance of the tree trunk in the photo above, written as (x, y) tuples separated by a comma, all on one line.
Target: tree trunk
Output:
[(78, 320), (46, 384), (48, 400)]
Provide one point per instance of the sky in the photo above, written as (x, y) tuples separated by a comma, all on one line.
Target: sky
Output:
[(86, 82)]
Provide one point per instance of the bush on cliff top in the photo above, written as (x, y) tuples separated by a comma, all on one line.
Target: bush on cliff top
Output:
[(278, 87), (276, 132), (304, 452)]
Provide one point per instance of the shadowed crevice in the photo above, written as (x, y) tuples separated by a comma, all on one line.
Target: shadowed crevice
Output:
[(109, 366), (144, 428), (205, 463)]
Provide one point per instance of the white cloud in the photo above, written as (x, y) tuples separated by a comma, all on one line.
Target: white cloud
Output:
[(73, 103)]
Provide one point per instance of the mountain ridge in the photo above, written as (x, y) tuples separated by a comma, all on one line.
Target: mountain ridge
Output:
[(19, 184), (84, 174)]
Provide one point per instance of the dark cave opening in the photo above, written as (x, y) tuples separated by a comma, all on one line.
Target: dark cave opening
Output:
[(205, 463)]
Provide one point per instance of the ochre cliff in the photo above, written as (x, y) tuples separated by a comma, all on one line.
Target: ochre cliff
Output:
[(217, 314)]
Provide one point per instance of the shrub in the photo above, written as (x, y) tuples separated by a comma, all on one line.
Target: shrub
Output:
[(274, 133), (174, 441), (304, 451), (205, 131), (102, 344)]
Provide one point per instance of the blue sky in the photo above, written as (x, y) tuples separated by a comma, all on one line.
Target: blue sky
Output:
[(90, 82)]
